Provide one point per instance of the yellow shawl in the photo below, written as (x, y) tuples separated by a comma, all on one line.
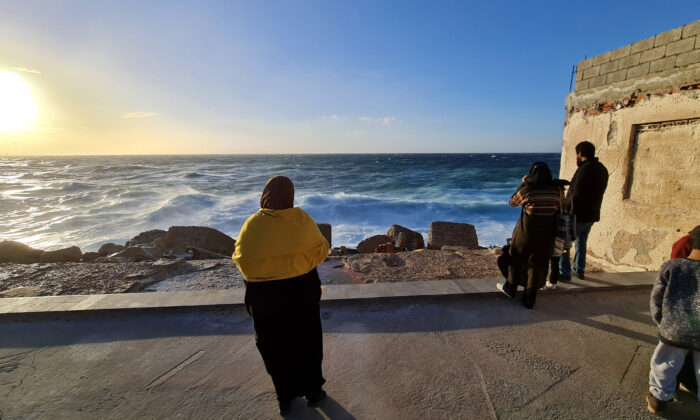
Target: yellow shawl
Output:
[(279, 244)]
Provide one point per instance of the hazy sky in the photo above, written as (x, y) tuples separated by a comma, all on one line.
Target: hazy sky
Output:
[(143, 77)]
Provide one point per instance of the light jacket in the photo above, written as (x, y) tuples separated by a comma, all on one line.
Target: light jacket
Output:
[(279, 244)]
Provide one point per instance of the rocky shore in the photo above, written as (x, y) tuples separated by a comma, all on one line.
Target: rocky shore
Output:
[(198, 258)]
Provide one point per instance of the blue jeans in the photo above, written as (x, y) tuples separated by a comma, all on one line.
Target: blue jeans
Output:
[(665, 364), (582, 231)]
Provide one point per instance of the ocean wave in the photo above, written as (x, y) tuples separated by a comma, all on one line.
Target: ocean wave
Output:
[(182, 207), (74, 186)]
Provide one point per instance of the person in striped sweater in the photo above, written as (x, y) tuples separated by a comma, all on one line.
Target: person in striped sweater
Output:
[(533, 238)]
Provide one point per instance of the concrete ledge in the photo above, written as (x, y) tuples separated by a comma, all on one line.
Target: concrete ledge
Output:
[(33, 307)]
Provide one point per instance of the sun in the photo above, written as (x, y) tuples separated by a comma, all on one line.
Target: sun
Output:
[(17, 106)]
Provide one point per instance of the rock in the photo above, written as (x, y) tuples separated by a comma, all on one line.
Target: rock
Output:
[(400, 241), (366, 263), (448, 233), (21, 292), (135, 253), (455, 248), (414, 240), (17, 252), (203, 254), (70, 254), (179, 238), (90, 256), (109, 249), (146, 238), (325, 229), (370, 244)]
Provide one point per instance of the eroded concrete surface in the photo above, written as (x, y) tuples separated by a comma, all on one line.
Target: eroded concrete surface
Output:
[(575, 356)]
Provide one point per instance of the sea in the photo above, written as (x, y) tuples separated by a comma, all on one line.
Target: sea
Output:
[(54, 202)]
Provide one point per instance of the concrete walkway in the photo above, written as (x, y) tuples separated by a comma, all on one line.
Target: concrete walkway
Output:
[(20, 308), (438, 355)]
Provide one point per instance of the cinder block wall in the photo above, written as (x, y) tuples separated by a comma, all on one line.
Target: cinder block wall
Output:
[(677, 48), (640, 106)]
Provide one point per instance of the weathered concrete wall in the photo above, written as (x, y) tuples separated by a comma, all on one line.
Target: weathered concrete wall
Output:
[(646, 130)]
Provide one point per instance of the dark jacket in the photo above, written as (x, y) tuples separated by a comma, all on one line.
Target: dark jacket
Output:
[(587, 188), (675, 303)]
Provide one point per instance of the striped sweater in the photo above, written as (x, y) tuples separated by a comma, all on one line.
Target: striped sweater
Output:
[(537, 200)]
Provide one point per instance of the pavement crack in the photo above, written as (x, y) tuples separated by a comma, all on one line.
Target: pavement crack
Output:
[(172, 372), (629, 364)]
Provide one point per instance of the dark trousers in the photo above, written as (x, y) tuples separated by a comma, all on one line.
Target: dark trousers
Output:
[(288, 334)]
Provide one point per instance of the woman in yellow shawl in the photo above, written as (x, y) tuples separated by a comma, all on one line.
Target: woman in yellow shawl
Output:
[(277, 252)]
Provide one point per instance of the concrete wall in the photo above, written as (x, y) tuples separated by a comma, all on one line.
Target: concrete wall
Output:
[(645, 124)]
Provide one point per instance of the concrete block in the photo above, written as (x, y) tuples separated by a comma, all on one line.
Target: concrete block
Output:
[(597, 81), (585, 64), (688, 58), (668, 36), (691, 29), (617, 76), (581, 85), (642, 45), (601, 59), (610, 67), (592, 72), (662, 64), (630, 61), (620, 52), (638, 71), (653, 54), (680, 46)]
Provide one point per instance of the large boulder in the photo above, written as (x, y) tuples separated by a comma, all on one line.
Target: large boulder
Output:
[(370, 244), (109, 249), (134, 253), (70, 254), (325, 229), (146, 238), (454, 234), (204, 254), (179, 238), (90, 256), (414, 240), (17, 252)]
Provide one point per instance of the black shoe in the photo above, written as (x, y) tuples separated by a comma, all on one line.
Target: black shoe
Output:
[(529, 301), (315, 398), (564, 278), (503, 287), (284, 408), (581, 276)]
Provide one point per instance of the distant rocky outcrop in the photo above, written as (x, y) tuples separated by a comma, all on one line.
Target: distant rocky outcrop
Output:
[(146, 238), (452, 234), (109, 249), (70, 254), (17, 252), (414, 240), (179, 238), (370, 244)]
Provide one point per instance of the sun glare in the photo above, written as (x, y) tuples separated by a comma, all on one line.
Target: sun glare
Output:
[(17, 106)]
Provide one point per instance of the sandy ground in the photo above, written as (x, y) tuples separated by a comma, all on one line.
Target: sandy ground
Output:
[(179, 275), (464, 357)]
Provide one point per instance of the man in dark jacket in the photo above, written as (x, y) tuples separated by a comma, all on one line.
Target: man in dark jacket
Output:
[(586, 193), (675, 308)]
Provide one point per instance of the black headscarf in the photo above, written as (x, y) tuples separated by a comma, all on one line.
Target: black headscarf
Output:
[(539, 174), (278, 194)]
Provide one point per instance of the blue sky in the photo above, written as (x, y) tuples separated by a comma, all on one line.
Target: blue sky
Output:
[(131, 77)]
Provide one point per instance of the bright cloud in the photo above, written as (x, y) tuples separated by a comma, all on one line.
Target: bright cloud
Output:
[(384, 120), (26, 70), (333, 117), (131, 115)]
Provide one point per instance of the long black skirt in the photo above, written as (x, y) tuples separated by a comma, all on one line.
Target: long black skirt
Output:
[(530, 251), (287, 321)]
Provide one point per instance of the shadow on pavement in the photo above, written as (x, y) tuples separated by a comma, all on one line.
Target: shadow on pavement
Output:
[(397, 315)]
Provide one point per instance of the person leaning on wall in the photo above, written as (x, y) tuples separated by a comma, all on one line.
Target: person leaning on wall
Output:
[(277, 252), (587, 188)]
